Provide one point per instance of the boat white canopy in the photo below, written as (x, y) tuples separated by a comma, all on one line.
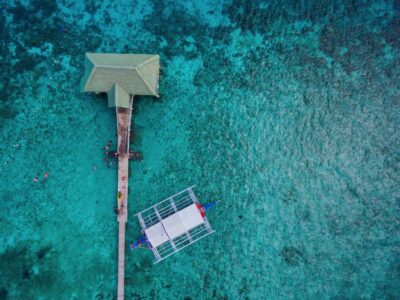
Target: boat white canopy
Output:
[(174, 224)]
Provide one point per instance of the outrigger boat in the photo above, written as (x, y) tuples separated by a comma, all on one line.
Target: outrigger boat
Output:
[(173, 224)]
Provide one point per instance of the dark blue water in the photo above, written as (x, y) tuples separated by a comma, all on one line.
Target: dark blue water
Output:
[(287, 112)]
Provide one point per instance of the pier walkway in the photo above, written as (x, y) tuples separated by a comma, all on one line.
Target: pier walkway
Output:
[(122, 76), (124, 125)]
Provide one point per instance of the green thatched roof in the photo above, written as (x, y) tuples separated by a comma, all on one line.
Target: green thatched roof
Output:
[(137, 74), (117, 96)]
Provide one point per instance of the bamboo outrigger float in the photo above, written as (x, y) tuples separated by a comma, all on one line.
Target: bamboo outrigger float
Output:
[(121, 76)]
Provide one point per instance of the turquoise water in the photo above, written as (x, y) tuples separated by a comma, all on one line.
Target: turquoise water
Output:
[(287, 112)]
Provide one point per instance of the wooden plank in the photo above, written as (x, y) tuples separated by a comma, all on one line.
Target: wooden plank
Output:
[(121, 261), (123, 125)]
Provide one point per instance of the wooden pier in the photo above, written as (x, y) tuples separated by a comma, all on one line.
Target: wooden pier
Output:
[(122, 76), (124, 126)]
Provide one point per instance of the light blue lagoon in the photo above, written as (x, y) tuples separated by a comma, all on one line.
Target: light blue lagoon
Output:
[(285, 112)]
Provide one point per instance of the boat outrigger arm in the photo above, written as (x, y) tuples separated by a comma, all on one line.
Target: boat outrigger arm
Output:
[(173, 224)]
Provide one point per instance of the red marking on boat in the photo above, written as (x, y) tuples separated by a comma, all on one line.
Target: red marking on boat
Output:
[(201, 210)]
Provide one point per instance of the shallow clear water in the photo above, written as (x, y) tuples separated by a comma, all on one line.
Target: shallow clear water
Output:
[(286, 112)]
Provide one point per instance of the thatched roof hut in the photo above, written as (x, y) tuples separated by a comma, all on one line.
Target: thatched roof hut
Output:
[(121, 75)]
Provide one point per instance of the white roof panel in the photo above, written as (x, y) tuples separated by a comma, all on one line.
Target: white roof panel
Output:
[(190, 217), (173, 226), (182, 221), (156, 235)]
